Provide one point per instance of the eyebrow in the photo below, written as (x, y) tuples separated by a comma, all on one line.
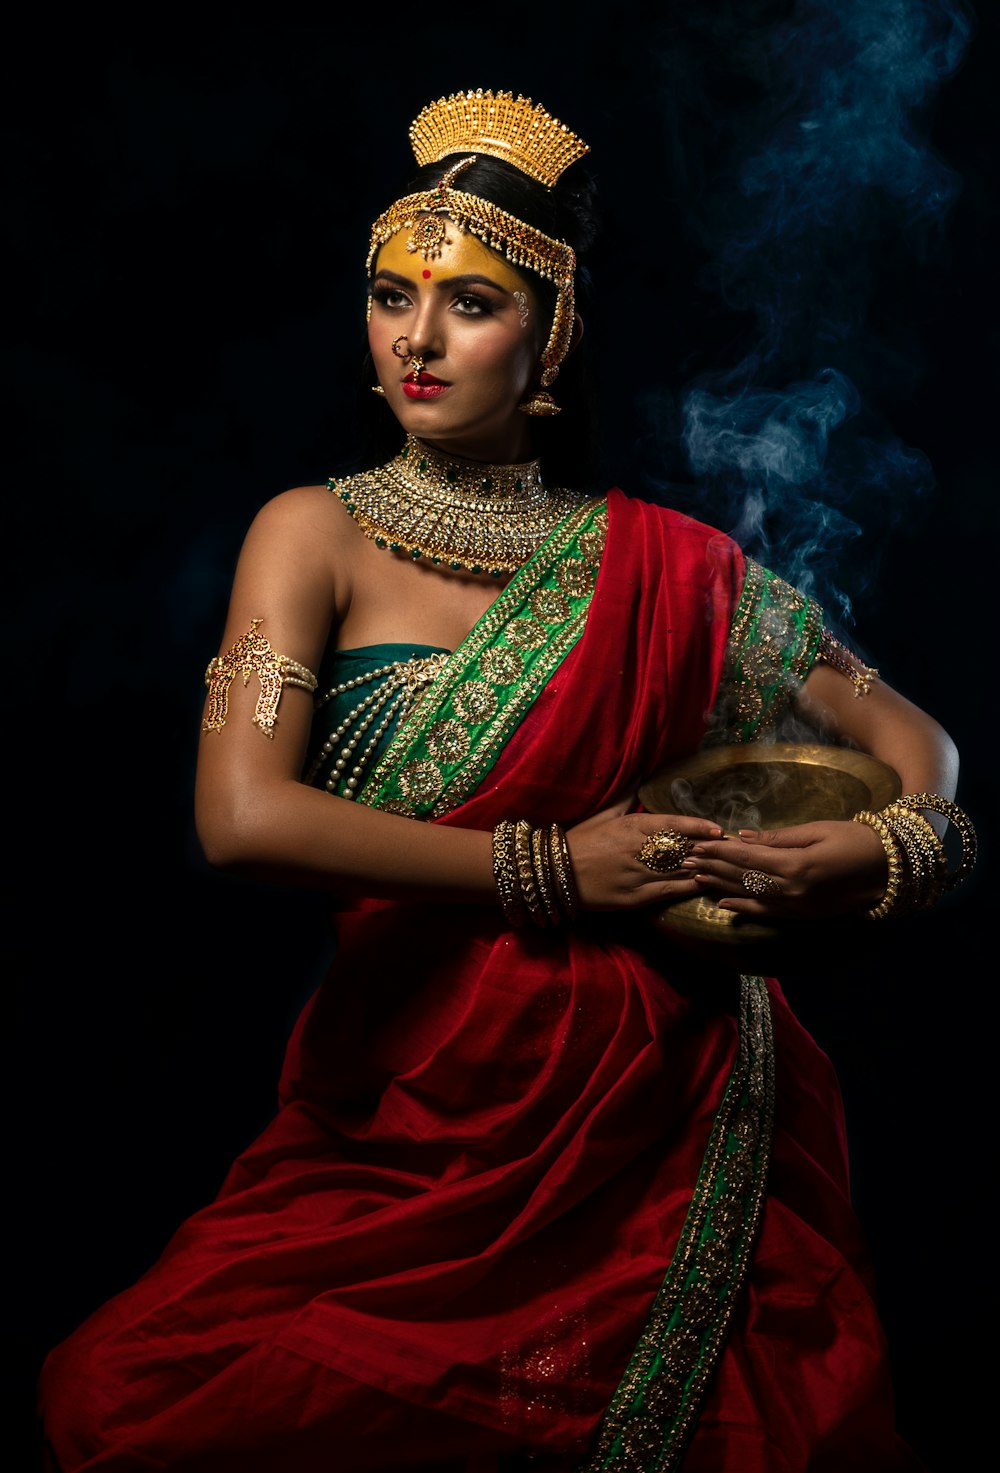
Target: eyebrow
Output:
[(469, 278)]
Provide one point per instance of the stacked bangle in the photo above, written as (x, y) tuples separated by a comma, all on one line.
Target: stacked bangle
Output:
[(533, 874), (918, 865), (569, 899)]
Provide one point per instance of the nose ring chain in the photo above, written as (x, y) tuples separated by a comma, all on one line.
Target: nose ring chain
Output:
[(414, 359)]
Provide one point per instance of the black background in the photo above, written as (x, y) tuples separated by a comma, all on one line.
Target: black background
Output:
[(187, 211)]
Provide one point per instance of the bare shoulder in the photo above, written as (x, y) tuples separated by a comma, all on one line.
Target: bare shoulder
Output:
[(310, 520), (296, 513), (293, 570)]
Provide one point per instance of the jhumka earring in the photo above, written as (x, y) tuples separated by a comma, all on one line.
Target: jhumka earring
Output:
[(540, 402)]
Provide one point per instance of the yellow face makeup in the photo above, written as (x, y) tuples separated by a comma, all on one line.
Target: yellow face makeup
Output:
[(460, 255), (456, 338)]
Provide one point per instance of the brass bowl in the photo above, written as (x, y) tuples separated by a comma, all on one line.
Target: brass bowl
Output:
[(767, 786)]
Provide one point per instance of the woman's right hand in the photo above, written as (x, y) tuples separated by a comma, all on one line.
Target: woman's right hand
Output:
[(609, 874)]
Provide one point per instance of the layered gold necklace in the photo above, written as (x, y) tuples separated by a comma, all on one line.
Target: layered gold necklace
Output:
[(459, 514)]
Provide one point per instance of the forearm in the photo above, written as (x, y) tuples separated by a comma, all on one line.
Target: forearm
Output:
[(290, 832)]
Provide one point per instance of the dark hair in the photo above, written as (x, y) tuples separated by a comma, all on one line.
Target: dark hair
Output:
[(565, 442)]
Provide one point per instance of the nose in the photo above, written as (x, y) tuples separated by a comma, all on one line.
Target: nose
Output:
[(424, 334)]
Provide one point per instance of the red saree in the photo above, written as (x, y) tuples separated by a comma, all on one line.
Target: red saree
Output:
[(442, 1251)]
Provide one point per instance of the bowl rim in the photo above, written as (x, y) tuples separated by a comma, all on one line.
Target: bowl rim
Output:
[(698, 920), (881, 780)]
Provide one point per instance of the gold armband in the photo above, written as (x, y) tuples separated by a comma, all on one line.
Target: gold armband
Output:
[(252, 655), (839, 657)]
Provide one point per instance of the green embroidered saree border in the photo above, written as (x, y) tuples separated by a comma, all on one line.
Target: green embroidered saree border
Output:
[(773, 643), (458, 728), (654, 1409)]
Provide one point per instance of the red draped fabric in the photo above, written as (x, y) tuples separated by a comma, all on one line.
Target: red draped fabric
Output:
[(441, 1252)]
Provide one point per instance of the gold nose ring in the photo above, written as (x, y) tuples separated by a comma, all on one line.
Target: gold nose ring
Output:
[(401, 353)]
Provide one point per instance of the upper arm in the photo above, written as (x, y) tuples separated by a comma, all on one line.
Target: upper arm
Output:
[(287, 577), (885, 724)]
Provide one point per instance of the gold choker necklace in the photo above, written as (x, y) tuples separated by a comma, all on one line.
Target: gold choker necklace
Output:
[(458, 514)]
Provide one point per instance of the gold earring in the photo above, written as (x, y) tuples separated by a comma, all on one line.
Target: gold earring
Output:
[(540, 401), (378, 389)]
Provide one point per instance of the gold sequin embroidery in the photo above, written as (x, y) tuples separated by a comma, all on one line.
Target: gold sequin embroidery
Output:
[(420, 780), (496, 672), (653, 1410), (502, 666), (475, 701), (549, 604), (448, 740), (574, 577), (526, 634)]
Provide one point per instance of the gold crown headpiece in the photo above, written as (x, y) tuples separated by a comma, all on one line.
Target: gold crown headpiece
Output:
[(500, 124), (524, 135)]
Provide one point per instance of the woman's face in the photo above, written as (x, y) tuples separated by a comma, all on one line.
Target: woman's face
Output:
[(474, 320)]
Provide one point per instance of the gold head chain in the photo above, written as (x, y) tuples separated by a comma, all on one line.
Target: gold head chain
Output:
[(523, 134)]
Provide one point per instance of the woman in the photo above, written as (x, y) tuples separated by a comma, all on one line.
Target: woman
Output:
[(540, 1191)]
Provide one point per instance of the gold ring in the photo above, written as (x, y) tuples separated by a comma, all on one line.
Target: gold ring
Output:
[(664, 850), (395, 347), (758, 883)]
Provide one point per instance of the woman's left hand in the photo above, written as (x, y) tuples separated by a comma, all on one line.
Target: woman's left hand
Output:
[(814, 869)]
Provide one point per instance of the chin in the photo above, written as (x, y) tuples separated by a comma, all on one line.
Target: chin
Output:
[(495, 442)]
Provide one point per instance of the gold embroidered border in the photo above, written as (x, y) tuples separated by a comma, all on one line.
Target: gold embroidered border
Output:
[(429, 768), (773, 642), (654, 1409)]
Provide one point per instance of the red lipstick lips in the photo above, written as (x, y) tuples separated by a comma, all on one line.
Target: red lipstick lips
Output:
[(426, 386)]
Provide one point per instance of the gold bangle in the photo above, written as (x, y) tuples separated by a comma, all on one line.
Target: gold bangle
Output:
[(894, 885), (505, 873), (543, 874), (533, 874), (923, 849), (959, 820), (526, 872), (563, 870)]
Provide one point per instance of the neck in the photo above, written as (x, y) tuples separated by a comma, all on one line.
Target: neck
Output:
[(439, 459), (510, 448)]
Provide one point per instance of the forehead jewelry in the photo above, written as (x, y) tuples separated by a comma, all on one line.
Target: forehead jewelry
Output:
[(526, 136)]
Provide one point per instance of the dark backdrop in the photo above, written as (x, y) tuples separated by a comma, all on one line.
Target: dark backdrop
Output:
[(188, 208)]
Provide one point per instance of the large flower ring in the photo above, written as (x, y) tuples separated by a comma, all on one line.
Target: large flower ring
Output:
[(664, 850)]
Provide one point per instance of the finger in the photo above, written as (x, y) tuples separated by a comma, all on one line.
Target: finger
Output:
[(727, 851), (692, 828), (796, 837), (738, 884), (739, 905), (671, 890)]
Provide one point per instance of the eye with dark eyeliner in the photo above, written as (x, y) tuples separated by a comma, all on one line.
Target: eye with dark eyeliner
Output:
[(473, 304), (388, 295)]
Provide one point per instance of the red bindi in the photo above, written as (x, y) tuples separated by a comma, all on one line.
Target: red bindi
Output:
[(425, 275)]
